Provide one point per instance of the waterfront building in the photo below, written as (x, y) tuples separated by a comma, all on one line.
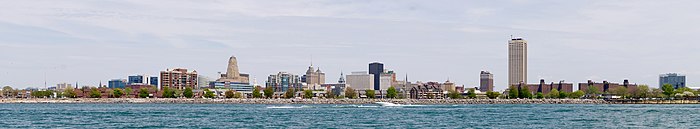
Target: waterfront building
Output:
[(486, 81), (117, 83), (677, 80), (376, 69), (178, 78), (360, 81), (429, 90), (339, 88), (517, 61), (385, 81), (545, 88), (154, 81), (283, 81), (606, 86)]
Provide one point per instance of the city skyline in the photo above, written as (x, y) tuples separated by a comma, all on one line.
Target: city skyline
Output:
[(92, 42)]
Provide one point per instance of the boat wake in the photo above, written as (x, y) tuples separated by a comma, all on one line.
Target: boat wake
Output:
[(388, 104), (287, 107)]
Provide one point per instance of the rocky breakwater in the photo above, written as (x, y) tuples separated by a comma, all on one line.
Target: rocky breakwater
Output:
[(306, 101)]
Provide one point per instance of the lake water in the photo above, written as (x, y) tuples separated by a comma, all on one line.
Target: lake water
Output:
[(346, 116)]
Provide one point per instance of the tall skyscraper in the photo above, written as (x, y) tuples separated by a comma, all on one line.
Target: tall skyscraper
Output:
[(486, 81), (517, 61), (376, 69), (677, 80)]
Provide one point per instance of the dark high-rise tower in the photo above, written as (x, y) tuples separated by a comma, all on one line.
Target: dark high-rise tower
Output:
[(376, 69)]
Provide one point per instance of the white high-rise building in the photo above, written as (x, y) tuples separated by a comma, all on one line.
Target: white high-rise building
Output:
[(517, 61), (360, 81)]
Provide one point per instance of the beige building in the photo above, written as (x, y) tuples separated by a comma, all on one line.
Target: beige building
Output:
[(233, 74), (314, 78), (360, 81), (517, 61), (178, 78)]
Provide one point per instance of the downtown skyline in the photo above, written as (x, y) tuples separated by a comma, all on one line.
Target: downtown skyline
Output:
[(86, 42)]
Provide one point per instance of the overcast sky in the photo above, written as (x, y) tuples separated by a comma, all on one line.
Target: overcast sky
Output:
[(88, 41)]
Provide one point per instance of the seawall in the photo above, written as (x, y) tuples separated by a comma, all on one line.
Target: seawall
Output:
[(306, 101)]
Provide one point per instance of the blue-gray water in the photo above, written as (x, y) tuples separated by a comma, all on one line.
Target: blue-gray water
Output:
[(346, 116)]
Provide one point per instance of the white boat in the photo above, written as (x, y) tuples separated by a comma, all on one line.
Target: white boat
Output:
[(388, 104)]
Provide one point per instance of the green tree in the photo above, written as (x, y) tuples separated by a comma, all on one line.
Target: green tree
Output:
[(7, 91), (642, 91), (289, 93), (370, 94), (492, 95), (143, 93), (577, 95), (256, 93), (168, 93), (471, 93), (95, 93), (117, 93), (391, 92), (525, 93), (553, 94), (208, 93), (70, 93), (128, 92), (229, 93), (620, 91), (350, 93), (41, 94), (308, 94), (684, 89), (237, 95), (563, 94), (513, 92), (330, 94), (454, 94), (539, 95), (188, 93), (592, 91), (269, 92), (668, 90), (177, 93)]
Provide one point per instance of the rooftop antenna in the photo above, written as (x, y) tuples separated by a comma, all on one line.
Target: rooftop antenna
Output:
[(511, 36)]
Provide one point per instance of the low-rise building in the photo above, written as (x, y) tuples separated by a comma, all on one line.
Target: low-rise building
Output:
[(606, 86)]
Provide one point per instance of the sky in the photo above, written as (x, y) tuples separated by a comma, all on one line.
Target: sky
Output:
[(90, 41)]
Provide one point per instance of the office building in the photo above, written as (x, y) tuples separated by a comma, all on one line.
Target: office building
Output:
[(360, 81), (283, 81), (142, 80), (517, 61), (376, 69), (117, 83), (486, 81), (676, 80), (178, 78)]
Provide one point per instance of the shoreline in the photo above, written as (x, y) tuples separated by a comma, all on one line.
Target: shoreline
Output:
[(329, 101)]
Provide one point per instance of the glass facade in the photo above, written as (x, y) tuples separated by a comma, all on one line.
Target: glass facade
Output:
[(677, 80), (117, 84), (136, 79), (154, 81)]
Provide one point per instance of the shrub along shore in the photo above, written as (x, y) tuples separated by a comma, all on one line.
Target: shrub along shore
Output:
[(324, 101)]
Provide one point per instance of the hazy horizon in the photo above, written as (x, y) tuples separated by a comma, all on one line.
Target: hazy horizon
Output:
[(95, 41)]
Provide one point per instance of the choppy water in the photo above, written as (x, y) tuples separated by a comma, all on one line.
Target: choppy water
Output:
[(346, 116)]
